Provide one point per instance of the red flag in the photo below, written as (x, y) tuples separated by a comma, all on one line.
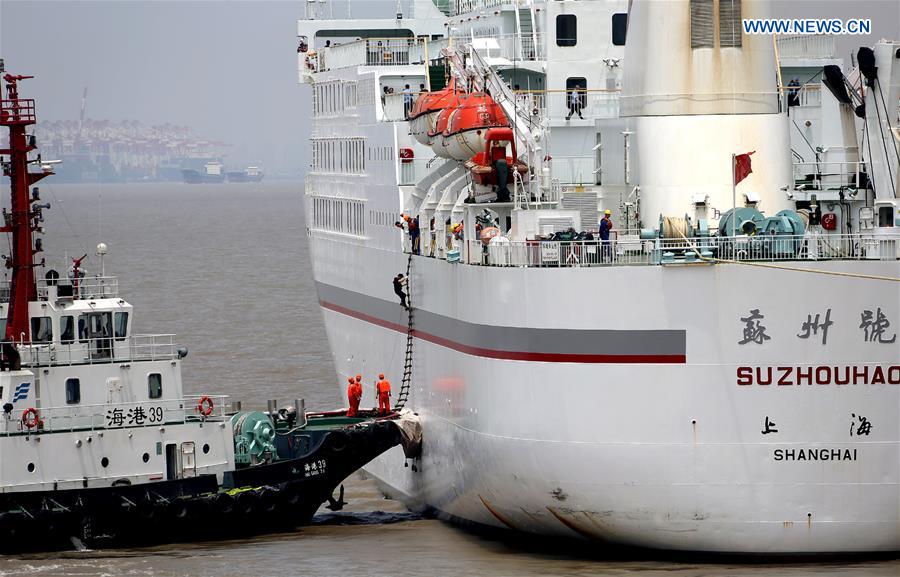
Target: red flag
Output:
[(741, 168)]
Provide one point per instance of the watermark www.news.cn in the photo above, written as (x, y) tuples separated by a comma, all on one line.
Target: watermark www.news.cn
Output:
[(807, 26)]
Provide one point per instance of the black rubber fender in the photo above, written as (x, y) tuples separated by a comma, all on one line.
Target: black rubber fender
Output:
[(336, 442), (246, 503), (291, 496), (148, 508), (179, 510), (223, 504), (267, 501)]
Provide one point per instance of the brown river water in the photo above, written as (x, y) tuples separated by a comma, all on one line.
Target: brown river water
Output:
[(226, 268)]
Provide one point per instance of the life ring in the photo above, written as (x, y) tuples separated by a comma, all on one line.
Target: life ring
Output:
[(30, 418), (205, 406)]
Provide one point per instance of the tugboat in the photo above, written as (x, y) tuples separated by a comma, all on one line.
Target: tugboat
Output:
[(99, 444)]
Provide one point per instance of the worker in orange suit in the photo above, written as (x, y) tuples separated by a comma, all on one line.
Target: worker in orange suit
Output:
[(354, 395), (383, 388)]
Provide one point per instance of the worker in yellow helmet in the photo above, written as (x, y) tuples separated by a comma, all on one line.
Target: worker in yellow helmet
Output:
[(606, 226)]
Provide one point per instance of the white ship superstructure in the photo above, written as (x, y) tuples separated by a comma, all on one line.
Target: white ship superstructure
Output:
[(722, 373)]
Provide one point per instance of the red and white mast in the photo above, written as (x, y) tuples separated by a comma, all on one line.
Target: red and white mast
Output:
[(17, 114)]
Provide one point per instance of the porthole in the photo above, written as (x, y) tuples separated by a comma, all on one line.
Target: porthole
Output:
[(104, 462), (31, 467), (146, 457), (206, 449)]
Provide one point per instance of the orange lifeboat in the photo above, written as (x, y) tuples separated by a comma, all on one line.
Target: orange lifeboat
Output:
[(467, 125), (426, 108), (492, 168), (435, 136)]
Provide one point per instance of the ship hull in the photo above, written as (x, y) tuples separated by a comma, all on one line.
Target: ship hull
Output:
[(616, 403)]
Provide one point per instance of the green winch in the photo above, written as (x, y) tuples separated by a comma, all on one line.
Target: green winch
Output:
[(254, 436)]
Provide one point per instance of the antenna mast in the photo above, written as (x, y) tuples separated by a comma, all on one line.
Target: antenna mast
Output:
[(22, 220)]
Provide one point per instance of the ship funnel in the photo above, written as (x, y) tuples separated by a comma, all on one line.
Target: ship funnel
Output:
[(700, 91), (692, 57)]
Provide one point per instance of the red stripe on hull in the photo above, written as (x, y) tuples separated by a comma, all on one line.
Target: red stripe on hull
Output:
[(509, 355)]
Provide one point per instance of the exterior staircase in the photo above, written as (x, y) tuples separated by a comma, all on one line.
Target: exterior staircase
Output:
[(527, 33)]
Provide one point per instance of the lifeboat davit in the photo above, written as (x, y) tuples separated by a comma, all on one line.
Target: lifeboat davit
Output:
[(467, 125), (492, 168), (425, 110)]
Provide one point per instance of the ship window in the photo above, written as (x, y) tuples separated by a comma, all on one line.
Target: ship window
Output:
[(154, 385), (702, 24), (619, 28), (566, 30), (41, 329), (2, 328), (67, 329), (730, 23), (73, 391), (82, 330), (120, 326)]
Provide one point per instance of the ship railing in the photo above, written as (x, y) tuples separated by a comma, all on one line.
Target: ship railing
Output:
[(814, 176), (94, 287), (326, 10), (809, 94), (466, 6), (632, 250), (397, 105), (110, 416), (512, 47), (150, 347), (806, 46), (370, 52), (557, 105), (20, 111), (574, 169)]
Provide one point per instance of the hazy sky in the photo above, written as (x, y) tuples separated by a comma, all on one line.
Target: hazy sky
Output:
[(227, 68)]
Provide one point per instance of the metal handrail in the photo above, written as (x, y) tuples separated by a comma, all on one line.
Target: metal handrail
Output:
[(632, 250), (150, 413), (149, 347)]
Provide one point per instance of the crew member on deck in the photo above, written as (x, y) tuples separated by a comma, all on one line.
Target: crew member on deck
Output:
[(354, 395), (575, 103), (383, 388), (605, 227), (412, 225)]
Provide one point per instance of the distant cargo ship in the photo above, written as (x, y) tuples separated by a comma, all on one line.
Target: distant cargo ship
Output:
[(249, 174), (212, 172)]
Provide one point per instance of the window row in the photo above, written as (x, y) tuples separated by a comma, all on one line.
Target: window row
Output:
[(343, 155), (334, 98), (338, 215), (567, 29), (381, 153), (73, 388), (382, 218), (90, 326)]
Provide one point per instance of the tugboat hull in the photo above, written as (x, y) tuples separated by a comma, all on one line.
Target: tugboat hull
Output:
[(280, 495)]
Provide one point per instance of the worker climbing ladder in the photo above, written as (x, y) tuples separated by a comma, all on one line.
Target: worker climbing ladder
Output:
[(403, 395)]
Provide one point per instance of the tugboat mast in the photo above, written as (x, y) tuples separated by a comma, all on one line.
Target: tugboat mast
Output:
[(16, 114)]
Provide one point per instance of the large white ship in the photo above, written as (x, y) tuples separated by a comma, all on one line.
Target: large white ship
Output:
[(723, 372)]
